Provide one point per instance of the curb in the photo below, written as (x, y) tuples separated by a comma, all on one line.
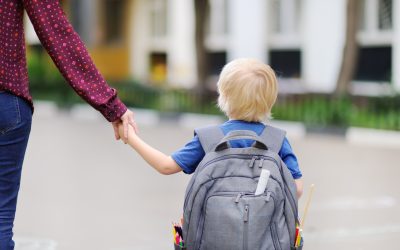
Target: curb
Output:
[(364, 136), (295, 130)]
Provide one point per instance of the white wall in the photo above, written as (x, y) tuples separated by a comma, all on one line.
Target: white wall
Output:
[(247, 26), (139, 63), (181, 47), (323, 42)]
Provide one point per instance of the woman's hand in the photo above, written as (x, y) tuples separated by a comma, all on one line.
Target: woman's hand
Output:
[(127, 120), (131, 132)]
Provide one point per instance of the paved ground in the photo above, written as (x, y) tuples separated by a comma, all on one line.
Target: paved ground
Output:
[(81, 190)]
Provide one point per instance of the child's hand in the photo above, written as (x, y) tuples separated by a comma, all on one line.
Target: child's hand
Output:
[(131, 132)]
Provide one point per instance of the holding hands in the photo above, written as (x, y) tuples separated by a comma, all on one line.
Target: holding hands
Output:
[(121, 130), (126, 121)]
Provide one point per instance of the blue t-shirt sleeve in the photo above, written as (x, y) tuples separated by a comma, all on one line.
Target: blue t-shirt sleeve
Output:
[(290, 159), (189, 156)]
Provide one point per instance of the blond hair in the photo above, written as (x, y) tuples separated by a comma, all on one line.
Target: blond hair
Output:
[(247, 90)]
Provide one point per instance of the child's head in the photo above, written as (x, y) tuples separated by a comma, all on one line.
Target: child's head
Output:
[(247, 90)]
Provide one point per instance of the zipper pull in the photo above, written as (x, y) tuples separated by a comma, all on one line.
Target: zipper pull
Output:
[(260, 165), (238, 197), (268, 197), (246, 213), (253, 159)]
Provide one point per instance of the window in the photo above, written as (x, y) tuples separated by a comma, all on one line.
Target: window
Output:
[(362, 24), (376, 15), (374, 64), (216, 61), (114, 20), (375, 39), (286, 63), (385, 14), (158, 67), (275, 14), (158, 15), (284, 42), (285, 16), (81, 16)]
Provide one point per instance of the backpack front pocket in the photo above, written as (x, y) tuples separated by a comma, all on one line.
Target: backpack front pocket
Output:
[(236, 221)]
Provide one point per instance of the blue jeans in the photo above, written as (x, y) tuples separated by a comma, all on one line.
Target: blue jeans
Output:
[(15, 127)]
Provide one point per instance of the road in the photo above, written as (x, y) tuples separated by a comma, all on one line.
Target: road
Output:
[(82, 190)]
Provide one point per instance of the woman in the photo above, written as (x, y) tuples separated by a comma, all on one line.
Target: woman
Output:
[(73, 61)]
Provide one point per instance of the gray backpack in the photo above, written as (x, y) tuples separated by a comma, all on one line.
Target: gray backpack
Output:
[(221, 210)]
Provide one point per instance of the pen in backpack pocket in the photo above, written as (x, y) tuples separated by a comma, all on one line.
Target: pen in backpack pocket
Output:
[(262, 182)]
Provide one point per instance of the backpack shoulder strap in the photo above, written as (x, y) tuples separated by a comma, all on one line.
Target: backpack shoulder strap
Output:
[(273, 138), (209, 137)]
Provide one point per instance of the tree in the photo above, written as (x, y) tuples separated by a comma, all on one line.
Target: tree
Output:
[(351, 48), (202, 10)]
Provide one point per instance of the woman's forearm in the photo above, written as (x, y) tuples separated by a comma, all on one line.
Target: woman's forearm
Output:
[(71, 57)]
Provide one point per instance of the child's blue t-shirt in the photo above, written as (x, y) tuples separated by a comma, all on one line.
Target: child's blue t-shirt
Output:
[(192, 153)]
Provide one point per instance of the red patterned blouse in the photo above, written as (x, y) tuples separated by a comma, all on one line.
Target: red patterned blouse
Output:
[(63, 45)]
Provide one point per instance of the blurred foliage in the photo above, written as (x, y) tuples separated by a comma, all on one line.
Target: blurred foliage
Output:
[(318, 110), (46, 83), (165, 99), (315, 110)]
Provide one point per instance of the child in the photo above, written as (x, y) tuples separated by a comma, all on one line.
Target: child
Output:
[(247, 91)]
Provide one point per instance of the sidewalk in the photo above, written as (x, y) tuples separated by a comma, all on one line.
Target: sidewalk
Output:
[(82, 190)]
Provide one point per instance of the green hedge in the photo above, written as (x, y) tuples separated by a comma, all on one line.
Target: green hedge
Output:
[(315, 110), (165, 99), (46, 83), (323, 110)]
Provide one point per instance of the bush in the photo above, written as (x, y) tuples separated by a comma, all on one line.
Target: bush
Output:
[(46, 83), (315, 110), (324, 110)]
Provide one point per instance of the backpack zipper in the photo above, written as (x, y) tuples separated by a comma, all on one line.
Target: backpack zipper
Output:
[(253, 159), (238, 156), (246, 226), (261, 163)]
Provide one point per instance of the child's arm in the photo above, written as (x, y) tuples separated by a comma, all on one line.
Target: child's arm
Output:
[(161, 162)]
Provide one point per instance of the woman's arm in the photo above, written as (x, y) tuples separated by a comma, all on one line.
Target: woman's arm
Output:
[(158, 160), (72, 58)]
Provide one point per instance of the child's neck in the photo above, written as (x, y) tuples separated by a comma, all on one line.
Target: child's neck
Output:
[(235, 119)]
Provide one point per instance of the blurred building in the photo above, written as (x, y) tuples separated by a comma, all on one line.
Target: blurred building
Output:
[(104, 26), (303, 40)]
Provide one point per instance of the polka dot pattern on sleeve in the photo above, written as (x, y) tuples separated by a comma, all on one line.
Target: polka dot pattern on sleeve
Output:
[(64, 47)]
